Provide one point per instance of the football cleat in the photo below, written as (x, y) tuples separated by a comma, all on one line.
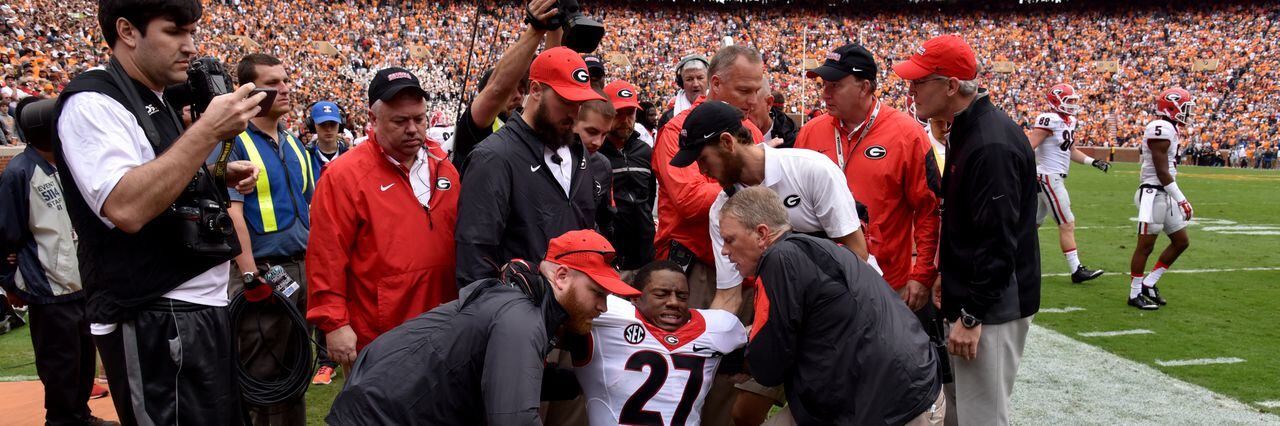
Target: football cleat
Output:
[(1083, 274), (1143, 303), (1153, 293)]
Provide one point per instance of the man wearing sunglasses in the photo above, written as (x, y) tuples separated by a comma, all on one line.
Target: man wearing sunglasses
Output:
[(479, 359)]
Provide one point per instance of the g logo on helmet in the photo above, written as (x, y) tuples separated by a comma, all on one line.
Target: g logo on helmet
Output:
[(1173, 97), (580, 75), (625, 93)]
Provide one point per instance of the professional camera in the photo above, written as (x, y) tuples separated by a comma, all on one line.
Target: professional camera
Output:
[(206, 79), (203, 226), (581, 33)]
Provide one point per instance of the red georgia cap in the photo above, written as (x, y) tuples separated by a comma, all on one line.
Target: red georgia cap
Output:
[(946, 55), (588, 252), (566, 73), (622, 94)]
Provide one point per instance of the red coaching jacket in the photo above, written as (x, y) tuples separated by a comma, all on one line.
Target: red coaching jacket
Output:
[(684, 194), (893, 173), (376, 257)]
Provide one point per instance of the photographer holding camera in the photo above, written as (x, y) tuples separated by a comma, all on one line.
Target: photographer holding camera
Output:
[(155, 240)]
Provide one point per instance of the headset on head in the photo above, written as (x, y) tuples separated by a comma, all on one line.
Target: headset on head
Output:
[(685, 61), (311, 122)]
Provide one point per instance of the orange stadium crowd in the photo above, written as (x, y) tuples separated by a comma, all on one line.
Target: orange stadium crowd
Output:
[(333, 48)]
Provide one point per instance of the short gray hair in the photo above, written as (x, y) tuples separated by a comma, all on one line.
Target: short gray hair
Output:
[(726, 56), (969, 87), (755, 206)]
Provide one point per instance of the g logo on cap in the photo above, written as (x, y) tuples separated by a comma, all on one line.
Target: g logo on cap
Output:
[(580, 75), (625, 93)]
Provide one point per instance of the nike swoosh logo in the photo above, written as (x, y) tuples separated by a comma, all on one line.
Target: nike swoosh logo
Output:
[(708, 135), (997, 197), (535, 168), (697, 348), (386, 187)]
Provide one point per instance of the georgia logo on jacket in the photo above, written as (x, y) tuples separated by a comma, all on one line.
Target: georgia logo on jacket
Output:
[(875, 152), (443, 183)]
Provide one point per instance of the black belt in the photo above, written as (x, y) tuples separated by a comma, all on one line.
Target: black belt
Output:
[(280, 260), (1150, 186), (165, 304)]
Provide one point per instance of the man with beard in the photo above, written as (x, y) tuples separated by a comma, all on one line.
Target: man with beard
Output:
[(681, 347), (479, 359), (501, 89), (498, 221)]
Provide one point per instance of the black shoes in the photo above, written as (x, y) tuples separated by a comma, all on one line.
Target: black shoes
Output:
[(1142, 302), (1154, 294), (1083, 274)]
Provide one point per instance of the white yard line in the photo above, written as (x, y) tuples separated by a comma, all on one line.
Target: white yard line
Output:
[(1199, 361), (1193, 271), (1064, 381), (1115, 333), (18, 378), (1065, 310), (1268, 404)]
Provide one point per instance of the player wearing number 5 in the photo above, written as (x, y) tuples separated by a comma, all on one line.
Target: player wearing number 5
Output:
[(651, 361), (1161, 205), (1053, 139)]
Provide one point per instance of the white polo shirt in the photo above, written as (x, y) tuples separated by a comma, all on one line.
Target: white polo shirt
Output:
[(813, 190)]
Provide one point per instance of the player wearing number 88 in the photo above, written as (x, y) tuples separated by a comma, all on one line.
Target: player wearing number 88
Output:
[(651, 361), (1053, 138)]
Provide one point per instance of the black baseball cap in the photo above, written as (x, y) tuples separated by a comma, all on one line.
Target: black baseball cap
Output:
[(595, 66), (847, 60), (388, 82), (703, 126)]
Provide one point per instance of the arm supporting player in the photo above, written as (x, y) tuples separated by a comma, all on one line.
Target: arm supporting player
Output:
[(855, 242)]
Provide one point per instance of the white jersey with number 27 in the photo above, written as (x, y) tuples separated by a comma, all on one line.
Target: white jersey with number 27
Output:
[(637, 373), (1158, 129)]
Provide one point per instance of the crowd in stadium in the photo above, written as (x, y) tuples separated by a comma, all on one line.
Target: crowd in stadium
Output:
[(1154, 49)]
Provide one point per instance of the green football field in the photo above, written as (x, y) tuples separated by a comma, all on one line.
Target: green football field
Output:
[(1222, 293)]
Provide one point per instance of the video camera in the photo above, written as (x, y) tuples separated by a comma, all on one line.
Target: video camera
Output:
[(581, 33)]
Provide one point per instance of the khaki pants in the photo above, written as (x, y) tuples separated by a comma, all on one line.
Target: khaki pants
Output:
[(264, 337), (702, 285), (983, 386)]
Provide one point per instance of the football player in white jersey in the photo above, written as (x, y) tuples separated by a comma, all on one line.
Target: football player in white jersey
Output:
[(1053, 138), (441, 131), (651, 361), (1161, 205)]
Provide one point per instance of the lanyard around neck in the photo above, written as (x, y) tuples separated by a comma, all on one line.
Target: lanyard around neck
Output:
[(861, 130)]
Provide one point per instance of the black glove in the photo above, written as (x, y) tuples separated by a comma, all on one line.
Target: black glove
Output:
[(1102, 165)]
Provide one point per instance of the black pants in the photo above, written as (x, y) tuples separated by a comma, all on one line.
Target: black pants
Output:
[(264, 336), (173, 364), (64, 360)]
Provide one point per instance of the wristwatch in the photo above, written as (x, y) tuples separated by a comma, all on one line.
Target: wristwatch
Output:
[(248, 278), (969, 321)]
